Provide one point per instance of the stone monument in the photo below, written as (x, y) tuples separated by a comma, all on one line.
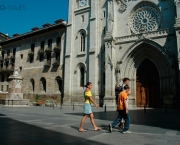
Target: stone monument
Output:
[(14, 98)]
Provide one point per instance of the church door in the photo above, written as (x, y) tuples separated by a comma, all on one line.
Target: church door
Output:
[(147, 85)]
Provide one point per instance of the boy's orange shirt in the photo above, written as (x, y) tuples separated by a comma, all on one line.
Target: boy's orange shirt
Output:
[(122, 100)]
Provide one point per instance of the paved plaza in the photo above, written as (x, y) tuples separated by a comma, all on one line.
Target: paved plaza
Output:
[(40, 125)]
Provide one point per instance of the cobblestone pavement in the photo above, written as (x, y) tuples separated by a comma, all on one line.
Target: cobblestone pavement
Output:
[(40, 125)]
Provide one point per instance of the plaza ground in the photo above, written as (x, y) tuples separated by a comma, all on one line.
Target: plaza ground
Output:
[(40, 125)]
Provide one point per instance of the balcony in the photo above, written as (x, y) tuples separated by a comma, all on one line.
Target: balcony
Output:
[(12, 57), (9, 69), (57, 48), (6, 58), (47, 63), (48, 50), (40, 51), (56, 63), (31, 54)]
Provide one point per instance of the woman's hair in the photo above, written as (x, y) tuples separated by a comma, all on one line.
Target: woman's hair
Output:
[(87, 84)]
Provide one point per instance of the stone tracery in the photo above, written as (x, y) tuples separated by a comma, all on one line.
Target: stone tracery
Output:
[(146, 15)]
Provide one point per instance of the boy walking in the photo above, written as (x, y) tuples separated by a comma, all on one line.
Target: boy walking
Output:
[(122, 108)]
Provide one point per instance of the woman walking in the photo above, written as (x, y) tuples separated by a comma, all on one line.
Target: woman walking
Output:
[(87, 108)]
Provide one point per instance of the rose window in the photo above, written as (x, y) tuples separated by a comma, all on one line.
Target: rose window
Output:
[(146, 18)]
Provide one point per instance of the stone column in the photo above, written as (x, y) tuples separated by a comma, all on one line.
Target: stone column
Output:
[(93, 50), (109, 99)]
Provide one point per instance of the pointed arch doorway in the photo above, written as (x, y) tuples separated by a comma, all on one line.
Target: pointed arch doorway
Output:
[(147, 85)]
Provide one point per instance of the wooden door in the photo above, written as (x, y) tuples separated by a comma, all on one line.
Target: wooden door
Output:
[(141, 94), (147, 85)]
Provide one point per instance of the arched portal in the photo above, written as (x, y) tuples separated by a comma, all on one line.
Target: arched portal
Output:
[(144, 53), (147, 85)]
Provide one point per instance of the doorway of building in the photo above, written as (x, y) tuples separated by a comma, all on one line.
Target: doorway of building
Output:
[(147, 85)]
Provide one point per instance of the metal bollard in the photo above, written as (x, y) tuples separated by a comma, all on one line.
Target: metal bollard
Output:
[(105, 108), (144, 108), (61, 106), (166, 108)]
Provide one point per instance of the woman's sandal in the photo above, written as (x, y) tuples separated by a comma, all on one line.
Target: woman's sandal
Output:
[(97, 129), (82, 130)]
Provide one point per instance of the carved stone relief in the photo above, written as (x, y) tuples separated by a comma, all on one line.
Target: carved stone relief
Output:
[(122, 5), (108, 61)]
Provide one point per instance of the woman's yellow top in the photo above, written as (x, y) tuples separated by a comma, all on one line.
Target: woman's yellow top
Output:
[(86, 97)]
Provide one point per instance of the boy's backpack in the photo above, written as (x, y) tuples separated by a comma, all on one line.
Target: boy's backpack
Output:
[(118, 90)]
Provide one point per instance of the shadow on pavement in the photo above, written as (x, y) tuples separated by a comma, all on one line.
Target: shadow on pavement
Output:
[(152, 117), (19, 133)]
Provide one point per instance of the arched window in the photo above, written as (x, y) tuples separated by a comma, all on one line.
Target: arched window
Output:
[(82, 76), (32, 84), (82, 40), (43, 84), (59, 84)]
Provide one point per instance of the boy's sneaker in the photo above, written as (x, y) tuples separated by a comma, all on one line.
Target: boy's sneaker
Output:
[(125, 132), (110, 128)]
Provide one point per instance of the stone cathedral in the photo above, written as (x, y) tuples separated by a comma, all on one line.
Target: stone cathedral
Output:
[(107, 40)]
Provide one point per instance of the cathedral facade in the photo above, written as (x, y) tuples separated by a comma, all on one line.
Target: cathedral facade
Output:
[(107, 40)]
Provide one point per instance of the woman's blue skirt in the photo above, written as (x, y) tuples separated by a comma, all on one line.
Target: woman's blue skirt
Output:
[(87, 108)]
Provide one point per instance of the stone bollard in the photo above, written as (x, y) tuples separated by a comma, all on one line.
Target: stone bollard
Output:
[(144, 108)]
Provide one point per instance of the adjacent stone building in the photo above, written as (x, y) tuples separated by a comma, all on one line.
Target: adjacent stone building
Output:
[(108, 40), (39, 56)]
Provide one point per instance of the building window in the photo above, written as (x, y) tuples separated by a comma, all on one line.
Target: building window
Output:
[(48, 57), (82, 77), (43, 84), (1, 64), (8, 52), (2, 78), (7, 64), (8, 77), (59, 84), (32, 84), (82, 18), (21, 56), (104, 14), (41, 58), (58, 42), (50, 43), (42, 45), (31, 59), (32, 47), (14, 52), (82, 42), (3, 54)]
